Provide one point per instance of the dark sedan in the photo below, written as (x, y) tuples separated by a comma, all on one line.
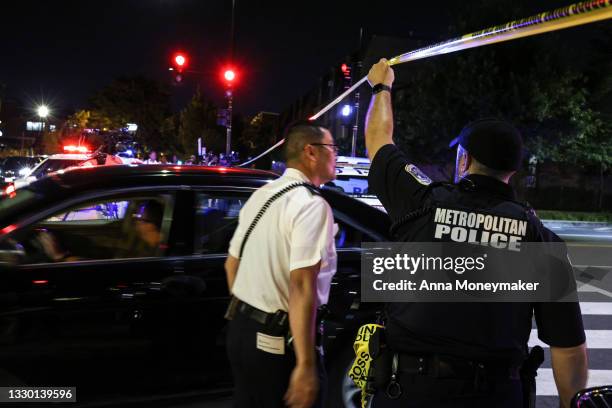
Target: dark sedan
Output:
[(81, 304)]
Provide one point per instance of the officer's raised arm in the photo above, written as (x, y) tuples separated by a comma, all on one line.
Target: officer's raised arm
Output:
[(398, 184), (379, 120)]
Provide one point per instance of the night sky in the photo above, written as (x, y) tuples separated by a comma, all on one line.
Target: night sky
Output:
[(63, 51)]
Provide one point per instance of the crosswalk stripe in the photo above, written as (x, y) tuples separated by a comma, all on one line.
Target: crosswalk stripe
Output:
[(596, 308), (596, 339), (545, 383)]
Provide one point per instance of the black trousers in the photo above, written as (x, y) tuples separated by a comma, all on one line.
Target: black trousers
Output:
[(425, 391), (261, 379)]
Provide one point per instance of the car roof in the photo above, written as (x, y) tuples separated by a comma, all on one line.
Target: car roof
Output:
[(69, 156), (68, 183), (146, 174), (348, 161)]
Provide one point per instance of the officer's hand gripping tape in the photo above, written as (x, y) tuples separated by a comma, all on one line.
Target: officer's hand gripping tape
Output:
[(368, 346)]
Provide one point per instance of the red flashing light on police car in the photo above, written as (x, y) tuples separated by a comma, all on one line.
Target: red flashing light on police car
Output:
[(76, 149)]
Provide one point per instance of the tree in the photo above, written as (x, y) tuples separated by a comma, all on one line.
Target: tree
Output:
[(134, 100), (199, 119), (169, 133), (531, 83), (50, 142), (259, 133)]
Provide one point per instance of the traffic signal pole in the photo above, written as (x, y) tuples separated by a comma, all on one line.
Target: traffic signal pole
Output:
[(356, 109), (228, 138)]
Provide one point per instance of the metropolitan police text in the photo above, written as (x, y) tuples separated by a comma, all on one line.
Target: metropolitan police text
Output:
[(478, 228)]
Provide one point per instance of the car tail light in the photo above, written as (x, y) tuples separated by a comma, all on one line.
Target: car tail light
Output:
[(9, 190), (7, 229)]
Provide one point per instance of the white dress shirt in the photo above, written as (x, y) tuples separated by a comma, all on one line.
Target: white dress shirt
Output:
[(296, 231)]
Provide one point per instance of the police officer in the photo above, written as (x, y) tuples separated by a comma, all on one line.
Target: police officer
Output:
[(285, 267), (463, 354)]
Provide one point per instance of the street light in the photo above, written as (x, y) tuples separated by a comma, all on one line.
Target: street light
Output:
[(43, 111)]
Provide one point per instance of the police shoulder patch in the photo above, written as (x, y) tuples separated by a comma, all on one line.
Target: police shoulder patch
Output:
[(418, 175)]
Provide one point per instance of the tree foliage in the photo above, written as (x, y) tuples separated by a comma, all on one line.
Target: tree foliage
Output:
[(258, 134), (529, 82), (133, 100), (199, 119)]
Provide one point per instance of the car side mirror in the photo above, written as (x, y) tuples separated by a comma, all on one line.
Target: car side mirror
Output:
[(595, 397)]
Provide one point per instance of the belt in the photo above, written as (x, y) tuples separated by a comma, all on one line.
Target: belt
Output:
[(449, 367), (253, 313)]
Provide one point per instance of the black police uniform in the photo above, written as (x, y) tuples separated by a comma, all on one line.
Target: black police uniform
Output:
[(461, 354)]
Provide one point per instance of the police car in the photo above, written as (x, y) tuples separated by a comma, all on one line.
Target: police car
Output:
[(352, 178), (72, 156)]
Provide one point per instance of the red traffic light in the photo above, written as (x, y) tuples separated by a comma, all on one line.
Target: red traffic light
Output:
[(229, 75), (179, 60)]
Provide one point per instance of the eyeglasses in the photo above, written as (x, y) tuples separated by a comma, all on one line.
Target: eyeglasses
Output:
[(334, 147)]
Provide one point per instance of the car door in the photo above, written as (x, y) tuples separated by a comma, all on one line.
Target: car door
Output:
[(97, 316), (215, 218)]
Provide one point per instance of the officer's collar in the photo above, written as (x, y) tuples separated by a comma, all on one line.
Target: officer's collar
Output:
[(293, 173), (491, 185)]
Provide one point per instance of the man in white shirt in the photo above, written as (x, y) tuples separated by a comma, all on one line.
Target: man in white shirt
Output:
[(286, 266)]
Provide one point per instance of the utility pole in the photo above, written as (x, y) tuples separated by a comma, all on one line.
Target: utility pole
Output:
[(229, 94), (356, 108), (228, 138)]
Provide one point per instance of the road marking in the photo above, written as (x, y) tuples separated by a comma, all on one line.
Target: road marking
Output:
[(595, 339), (545, 383), (586, 288), (596, 308)]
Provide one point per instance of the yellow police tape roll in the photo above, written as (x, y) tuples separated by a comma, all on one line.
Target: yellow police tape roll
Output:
[(361, 366)]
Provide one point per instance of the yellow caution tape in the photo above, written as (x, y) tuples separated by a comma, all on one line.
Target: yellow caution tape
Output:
[(361, 366), (573, 15)]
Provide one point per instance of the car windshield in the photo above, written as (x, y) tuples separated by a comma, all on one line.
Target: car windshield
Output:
[(16, 163), (51, 165)]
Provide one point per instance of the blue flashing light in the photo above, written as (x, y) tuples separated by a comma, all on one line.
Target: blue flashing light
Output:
[(346, 110)]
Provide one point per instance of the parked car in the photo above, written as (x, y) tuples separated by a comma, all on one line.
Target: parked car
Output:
[(352, 178), (114, 321), (13, 167), (72, 157), (52, 163)]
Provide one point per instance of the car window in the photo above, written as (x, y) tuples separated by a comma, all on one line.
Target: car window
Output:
[(125, 227), (216, 219), (350, 235), (110, 210), (51, 165)]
